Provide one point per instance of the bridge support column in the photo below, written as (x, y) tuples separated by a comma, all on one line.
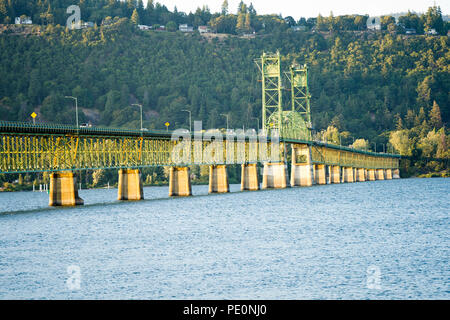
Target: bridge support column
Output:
[(218, 179), (335, 173), (180, 182), (274, 176), (348, 174), (130, 185), (360, 174), (396, 174), (388, 174), (380, 174), (371, 175), (328, 174), (302, 171), (63, 190), (320, 174), (249, 177)]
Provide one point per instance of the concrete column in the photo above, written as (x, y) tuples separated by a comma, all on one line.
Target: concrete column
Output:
[(320, 174), (371, 175), (274, 176), (218, 179), (396, 174), (302, 171), (348, 174), (335, 173), (180, 182), (360, 174), (249, 177), (63, 190), (328, 174), (130, 185), (388, 174), (380, 174)]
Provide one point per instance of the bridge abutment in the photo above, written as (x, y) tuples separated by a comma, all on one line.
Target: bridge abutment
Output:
[(396, 174), (274, 176), (63, 190), (249, 177), (130, 185), (218, 179), (180, 182)]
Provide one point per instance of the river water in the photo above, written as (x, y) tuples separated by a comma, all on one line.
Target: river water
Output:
[(371, 240)]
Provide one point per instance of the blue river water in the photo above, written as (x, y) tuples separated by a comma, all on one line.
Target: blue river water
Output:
[(371, 240)]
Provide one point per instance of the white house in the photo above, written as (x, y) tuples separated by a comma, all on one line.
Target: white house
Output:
[(374, 23), (204, 29), (25, 20), (144, 27), (432, 32), (186, 28)]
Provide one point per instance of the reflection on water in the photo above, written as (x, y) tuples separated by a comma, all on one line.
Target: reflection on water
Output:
[(372, 240)]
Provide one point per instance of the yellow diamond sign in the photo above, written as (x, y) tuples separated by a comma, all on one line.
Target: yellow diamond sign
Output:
[(167, 124), (33, 115)]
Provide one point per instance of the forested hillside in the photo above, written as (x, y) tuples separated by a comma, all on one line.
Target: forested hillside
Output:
[(382, 87)]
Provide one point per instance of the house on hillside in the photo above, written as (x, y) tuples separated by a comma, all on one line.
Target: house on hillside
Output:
[(432, 32), (87, 24), (298, 28), (374, 23), (23, 20), (144, 27), (185, 28), (204, 29), (410, 31)]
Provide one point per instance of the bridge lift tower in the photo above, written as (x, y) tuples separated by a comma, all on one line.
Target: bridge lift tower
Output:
[(293, 121)]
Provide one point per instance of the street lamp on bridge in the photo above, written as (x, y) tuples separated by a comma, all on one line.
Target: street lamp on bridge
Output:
[(140, 106), (190, 119), (76, 106), (225, 115), (257, 122)]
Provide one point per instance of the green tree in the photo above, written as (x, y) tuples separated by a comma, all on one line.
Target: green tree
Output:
[(225, 8), (435, 116), (135, 17), (433, 20)]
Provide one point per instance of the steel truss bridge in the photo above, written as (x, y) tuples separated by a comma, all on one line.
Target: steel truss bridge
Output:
[(49, 148)]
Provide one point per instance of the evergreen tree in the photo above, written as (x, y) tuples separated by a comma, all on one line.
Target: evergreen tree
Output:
[(435, 116), (225, 8), (135, 17)]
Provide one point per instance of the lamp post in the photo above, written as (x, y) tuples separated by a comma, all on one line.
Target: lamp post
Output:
[(190, 120), (375, 144), (257, 122), (76, 106), (225, 115), (140, 106)]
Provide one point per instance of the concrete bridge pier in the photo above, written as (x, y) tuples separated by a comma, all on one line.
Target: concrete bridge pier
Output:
[(218, 179), (249, 177), (130, 185), (396, 174), (302, 171), (371, 175), (348, 174), (335, 174), (380, 174), (388, 174), (63, 190), (360, 174), (320, 174), (180, 182), (274, 176)]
